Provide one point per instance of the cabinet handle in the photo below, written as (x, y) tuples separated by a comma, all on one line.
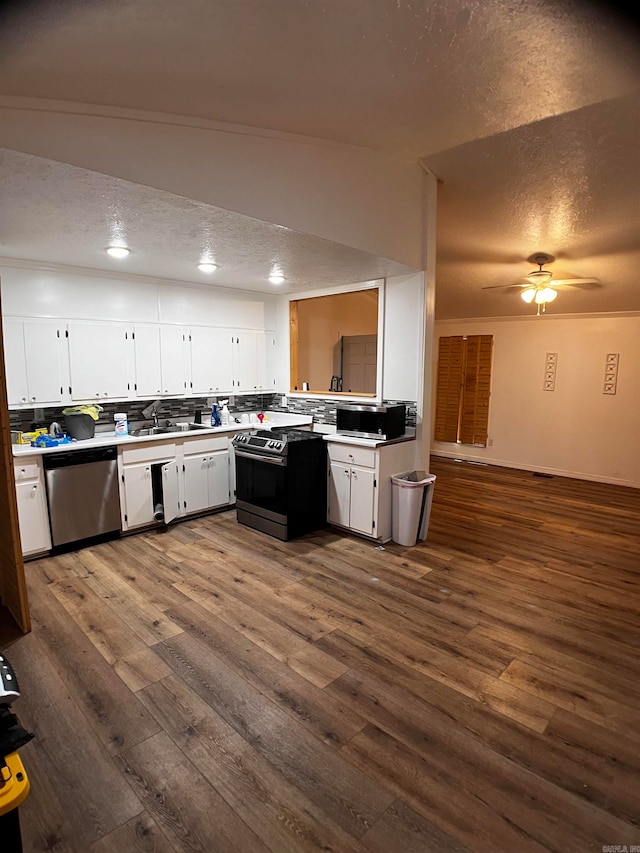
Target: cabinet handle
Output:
[(351, 456), (354, 474), (33, 399), (34, 489), (24, 400)]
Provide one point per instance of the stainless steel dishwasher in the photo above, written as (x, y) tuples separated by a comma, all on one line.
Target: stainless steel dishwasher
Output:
[(82, 490)]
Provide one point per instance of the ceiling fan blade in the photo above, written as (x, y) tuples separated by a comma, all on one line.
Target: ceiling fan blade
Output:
[(499, 286), (581, 283)]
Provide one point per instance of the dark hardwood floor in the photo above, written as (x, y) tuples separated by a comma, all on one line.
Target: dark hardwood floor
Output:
[(209, 688)]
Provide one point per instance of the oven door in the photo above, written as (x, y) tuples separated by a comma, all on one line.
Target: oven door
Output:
[(261, 485)]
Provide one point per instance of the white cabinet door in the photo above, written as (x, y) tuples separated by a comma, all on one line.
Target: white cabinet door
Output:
[(206, 480), (15, 362), (218, 470), (148, 370), (223, 360), (246, 372), (362, 500), (43, 342), (339, 494), (33, 358), (138, 495), (212, 360), (159, 361), (172, 354), (267, 363), (33, 517), (196, 482), (170, 499), (203, 359), (98, 361)]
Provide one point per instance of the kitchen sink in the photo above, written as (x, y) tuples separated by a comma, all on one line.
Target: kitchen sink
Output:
[(163, 430)]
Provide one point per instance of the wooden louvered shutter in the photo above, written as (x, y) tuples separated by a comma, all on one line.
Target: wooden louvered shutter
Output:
[(449, 387), (474, 412)]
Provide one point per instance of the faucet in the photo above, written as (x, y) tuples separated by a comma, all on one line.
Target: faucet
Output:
[(154, 415)]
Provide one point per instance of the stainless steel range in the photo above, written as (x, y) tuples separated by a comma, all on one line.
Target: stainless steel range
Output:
[(281, 481)]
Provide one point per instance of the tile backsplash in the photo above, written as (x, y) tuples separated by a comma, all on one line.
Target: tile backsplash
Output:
[(322, 411)]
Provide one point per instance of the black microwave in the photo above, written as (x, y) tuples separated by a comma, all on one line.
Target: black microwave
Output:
[(382, 422)]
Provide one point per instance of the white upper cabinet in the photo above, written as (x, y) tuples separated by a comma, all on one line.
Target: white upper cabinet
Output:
[(148, 365), (267, 366), (33, 358), (15, 363), (246, 352), (254, 361), (98, 361), (159, 361), (211, 360), (173, 343)]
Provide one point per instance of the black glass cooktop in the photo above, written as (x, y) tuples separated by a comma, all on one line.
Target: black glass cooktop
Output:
[(288, 434)]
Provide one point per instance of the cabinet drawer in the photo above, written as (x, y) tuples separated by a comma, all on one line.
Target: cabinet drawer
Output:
[(206, 445), (27, 470), (156, 452), (349, 454)]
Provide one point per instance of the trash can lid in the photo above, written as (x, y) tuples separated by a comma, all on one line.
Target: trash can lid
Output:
[(412, 479)]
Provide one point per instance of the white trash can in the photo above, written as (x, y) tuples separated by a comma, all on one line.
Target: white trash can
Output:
[(411, 506)]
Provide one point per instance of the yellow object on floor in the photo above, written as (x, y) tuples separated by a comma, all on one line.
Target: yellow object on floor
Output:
[(14, 784)]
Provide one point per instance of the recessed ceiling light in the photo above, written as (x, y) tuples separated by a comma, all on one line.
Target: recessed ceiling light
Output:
[(276, 278), (118, 251), (207, 266)]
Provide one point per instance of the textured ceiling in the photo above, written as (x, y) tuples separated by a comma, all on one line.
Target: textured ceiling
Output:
[(527, 110), (59, 214)]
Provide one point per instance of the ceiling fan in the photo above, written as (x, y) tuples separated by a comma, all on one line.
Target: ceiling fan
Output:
[(540, 287)]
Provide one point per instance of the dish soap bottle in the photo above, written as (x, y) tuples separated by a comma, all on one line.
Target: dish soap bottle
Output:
[(224, 414), (215, 416)]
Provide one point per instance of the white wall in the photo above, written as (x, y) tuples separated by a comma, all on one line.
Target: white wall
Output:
[(404, 312), (347, 194), (76, 296), (576, 430)]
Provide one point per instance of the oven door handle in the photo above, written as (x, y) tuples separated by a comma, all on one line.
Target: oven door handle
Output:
[(257, 457)]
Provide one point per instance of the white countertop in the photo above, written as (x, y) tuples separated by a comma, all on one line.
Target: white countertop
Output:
[(109, 438), (409, 435)]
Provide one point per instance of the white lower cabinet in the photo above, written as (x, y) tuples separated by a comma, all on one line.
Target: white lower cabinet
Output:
[(206, 481), (149, 484), (162, 481), (32, 507), (353, 489), (355, 504), (359, 494)]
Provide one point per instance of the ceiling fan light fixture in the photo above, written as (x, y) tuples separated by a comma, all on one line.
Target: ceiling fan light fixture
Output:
[(548, 294), (207, 266), (528, 294)]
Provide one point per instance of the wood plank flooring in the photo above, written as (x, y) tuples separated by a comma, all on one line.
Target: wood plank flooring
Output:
[(209, 688)]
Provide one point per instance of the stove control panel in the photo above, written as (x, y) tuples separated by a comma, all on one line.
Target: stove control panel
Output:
[(259, 442)]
